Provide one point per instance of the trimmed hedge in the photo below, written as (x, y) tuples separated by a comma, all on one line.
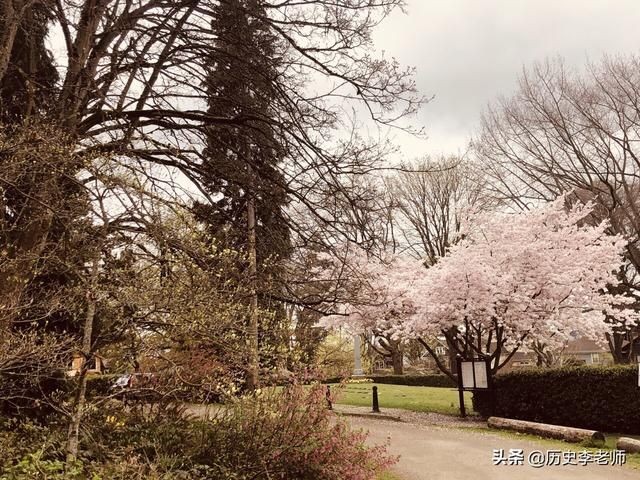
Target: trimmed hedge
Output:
[(596, 398), (435, 380)]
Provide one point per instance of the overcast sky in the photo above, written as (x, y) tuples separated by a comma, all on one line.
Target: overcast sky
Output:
[(468, 52)]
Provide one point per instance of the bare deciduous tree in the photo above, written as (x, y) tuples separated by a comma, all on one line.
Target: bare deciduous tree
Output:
[(134, 87), (432, 202), (566, 131)]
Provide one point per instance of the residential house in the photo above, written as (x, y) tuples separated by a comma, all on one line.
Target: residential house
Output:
[(96, 366)]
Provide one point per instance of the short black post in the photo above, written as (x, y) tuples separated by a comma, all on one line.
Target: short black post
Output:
[(328, 396), (463, 412), (376, 406)]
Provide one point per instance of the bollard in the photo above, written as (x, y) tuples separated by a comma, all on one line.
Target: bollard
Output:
[(330, 406), (376, 406)]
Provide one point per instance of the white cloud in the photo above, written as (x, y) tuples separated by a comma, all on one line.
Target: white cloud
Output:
[(467, 52)]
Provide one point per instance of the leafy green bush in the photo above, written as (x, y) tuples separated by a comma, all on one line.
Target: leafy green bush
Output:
[(34, 467), (598, 398), (31, 450)]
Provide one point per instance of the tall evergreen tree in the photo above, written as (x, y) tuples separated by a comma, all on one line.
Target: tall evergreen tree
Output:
[(242, 172), (42, 202), (28, 86)]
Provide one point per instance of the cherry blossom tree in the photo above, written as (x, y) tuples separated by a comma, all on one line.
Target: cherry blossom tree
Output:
[(567, 128), (517, 282), (377, 298)]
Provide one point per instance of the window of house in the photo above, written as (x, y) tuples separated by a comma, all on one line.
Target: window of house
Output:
[(93, 364), (595, 358), (440, 350)]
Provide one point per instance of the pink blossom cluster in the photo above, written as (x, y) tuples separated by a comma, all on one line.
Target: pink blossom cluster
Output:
[(380, 293), (538, 275)]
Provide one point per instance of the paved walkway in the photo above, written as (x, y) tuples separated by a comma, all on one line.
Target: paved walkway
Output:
[(431, 452)]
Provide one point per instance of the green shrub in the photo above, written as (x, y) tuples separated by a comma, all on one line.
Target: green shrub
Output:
[(597, 398), (283, 435), (28, 446), (32, 466)]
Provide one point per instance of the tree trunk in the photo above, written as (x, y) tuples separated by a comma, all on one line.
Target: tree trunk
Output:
[(451, 355), (9, 22), (252, 370), (73, 433), (397, 358), (616, 343), (74, 88), (568, 434), (629, 445)]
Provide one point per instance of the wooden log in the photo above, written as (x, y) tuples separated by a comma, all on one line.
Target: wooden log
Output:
[(568, 434), (630, 445)]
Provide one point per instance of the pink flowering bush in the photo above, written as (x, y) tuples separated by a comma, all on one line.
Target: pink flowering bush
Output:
[(287, 434), (278, 434)]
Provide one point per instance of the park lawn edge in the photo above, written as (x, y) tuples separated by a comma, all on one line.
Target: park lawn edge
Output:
[(389, 475), (448, 406)]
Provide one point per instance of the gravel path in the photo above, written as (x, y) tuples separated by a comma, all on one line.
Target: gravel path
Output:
[(389, 414), (416, 418)]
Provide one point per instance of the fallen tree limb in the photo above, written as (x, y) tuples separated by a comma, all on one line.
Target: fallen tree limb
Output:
[(568, 434), (630, 445)]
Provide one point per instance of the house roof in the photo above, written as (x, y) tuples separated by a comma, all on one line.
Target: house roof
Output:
[(584, 345)]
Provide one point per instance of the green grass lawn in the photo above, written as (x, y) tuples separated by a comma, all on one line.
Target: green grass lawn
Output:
[(417, 399), (389, 476)]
